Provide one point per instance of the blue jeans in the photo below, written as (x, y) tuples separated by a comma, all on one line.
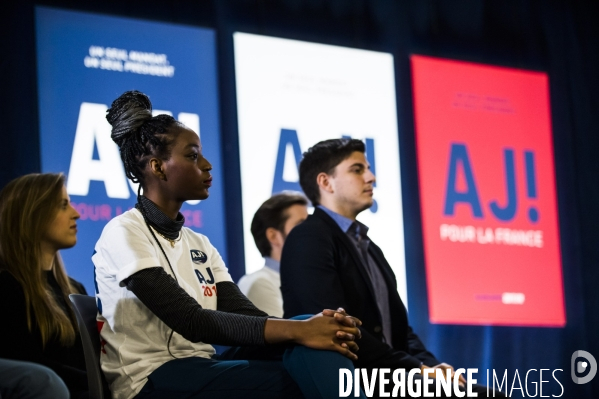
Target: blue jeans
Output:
[(25, 380), (246, 372)]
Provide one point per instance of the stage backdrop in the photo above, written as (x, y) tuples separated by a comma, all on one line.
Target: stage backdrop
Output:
[(487, 194), (293, 94), (86, 61)]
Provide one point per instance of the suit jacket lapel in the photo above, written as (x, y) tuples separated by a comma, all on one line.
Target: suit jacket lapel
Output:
[(350, 246), (384, 266)]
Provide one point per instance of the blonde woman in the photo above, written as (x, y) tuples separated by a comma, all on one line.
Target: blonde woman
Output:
[(38, 323)]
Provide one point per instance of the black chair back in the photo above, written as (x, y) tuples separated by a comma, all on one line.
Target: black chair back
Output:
[(86, 311)]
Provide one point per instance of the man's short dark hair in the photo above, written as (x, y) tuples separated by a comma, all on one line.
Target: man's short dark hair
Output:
[(324, 157), (273, 213)]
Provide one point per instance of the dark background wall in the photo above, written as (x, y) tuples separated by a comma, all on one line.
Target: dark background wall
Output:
[(559, 37)]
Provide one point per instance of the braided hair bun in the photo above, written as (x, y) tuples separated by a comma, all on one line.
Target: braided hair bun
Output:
[(127, 114), (137, 133)]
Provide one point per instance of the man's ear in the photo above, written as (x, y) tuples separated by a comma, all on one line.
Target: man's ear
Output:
[(273, 236), (324, 182), (157, 168)]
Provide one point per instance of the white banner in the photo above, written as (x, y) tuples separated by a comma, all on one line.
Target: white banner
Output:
[(293, 94)]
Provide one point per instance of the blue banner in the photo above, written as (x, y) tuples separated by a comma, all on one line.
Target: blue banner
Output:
[(85, 61)]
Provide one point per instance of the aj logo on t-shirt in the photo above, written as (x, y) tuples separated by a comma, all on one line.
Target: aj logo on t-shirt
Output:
[(198, 256), (208, 290)]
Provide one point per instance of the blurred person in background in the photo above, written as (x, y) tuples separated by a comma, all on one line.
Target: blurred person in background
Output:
[(38, 323), (270, 227)]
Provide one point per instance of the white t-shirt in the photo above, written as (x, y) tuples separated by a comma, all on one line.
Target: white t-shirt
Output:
[(134, 339), (262, 287)]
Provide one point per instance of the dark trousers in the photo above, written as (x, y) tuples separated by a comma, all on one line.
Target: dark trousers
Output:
[(249, 372)]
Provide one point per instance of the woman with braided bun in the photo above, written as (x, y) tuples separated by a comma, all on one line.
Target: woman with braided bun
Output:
[(165, 296)]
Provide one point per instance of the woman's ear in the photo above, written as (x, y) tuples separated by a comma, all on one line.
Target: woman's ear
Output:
[(157, 168)]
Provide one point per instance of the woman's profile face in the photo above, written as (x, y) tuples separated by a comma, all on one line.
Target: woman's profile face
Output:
[(187, 171), (62, 232)]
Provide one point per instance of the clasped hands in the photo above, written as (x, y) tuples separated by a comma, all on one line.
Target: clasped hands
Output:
[(348, 331), (334, 330)]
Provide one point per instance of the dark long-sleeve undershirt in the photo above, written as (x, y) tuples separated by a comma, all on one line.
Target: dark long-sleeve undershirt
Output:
[(235, 322)]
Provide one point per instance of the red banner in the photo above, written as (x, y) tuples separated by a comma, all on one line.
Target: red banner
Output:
[(487, 193)]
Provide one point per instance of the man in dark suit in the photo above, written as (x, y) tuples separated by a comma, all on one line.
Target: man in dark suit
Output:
[(328, 261)]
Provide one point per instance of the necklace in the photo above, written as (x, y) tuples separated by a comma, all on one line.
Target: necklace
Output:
[(172, 242)]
